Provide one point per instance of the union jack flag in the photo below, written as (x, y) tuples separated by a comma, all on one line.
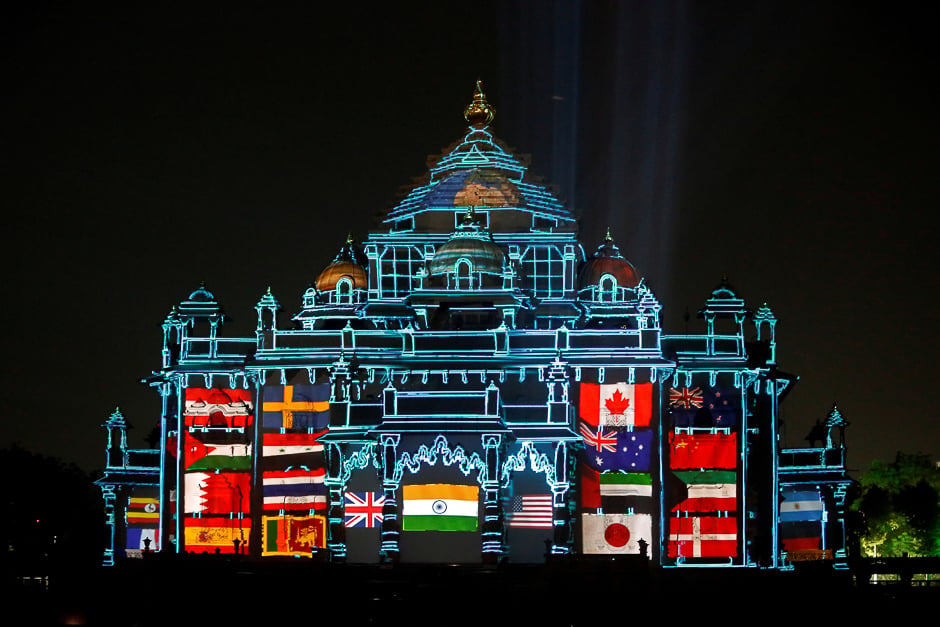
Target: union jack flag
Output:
[(600, 440), (686, 398), (364, 509)]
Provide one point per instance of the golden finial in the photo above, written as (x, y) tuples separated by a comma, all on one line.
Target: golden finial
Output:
[(479, 113)]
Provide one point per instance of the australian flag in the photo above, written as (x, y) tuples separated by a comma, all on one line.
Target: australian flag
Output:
[(619, 450)]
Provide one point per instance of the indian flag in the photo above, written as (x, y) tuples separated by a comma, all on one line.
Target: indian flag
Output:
[(440, 507)]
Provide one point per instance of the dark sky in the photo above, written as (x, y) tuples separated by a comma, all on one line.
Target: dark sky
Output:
[(791, 148)]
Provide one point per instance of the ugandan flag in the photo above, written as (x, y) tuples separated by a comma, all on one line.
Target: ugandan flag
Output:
[(143, 510), (440, 507)]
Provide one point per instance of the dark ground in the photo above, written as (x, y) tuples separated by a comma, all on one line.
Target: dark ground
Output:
[(217, 592)]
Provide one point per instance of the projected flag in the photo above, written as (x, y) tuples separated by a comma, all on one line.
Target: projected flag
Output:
[(216, 493), (801, 536), (704, 407), (703, 536), (617, 450), (137, 536), (218, 407), (280, 451), (296, 407), (440, 507), (216, 532), (143, 511), (617, 404), (615, 533), (529, 511), (293, 535), (364, 509), (703, 450), (801, 514), (297, 489), (708, 491), (626, 484), (801, 506), (216, 451)]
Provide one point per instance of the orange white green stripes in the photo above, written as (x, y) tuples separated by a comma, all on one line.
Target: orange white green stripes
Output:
[(440, 507)]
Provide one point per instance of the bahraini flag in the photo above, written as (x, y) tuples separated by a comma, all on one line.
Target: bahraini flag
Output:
[(440, 507)]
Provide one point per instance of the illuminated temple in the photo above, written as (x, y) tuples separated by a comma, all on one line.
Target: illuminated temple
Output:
[(471, 384)]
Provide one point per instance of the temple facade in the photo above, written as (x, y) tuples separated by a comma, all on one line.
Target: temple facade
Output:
[(469, 385)]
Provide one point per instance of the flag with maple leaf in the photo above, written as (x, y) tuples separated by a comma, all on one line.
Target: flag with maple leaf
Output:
[(616, 404)]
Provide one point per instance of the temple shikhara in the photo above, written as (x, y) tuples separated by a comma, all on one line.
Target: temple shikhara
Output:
[(471, 384)]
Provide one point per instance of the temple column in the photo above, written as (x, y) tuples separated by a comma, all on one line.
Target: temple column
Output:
[(391, 527), (492, 535)]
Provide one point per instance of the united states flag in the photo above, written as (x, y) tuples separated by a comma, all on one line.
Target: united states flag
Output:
[(530, 511)]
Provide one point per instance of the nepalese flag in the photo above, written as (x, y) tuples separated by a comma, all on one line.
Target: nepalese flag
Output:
[(293, 535), (218, 407), (703, 450), (617, 450), (801, 505), (529, 511), (206, 534), (216, 451), (364, 509), (801, 536), (216, 493), (296, 407), (294, 489), (137, 536), (616, 404), (440, 507), (615, 533), (703, 536), (708, 491), (143, 511)]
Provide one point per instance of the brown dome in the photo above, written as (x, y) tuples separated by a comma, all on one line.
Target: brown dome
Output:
[(607, 260), (346, 264)]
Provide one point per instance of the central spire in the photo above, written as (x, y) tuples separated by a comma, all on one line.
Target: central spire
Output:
[(479, 113)]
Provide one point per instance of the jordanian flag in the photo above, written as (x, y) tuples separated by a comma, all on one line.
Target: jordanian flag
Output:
[(440, 507)]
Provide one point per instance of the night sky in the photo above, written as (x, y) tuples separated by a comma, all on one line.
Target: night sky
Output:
[(791, 147)]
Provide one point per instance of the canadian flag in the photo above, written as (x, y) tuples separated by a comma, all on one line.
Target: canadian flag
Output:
[(617, 404)]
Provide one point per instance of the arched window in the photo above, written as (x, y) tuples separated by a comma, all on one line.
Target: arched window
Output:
[(463, 274), (607, 288), (344, 289)]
